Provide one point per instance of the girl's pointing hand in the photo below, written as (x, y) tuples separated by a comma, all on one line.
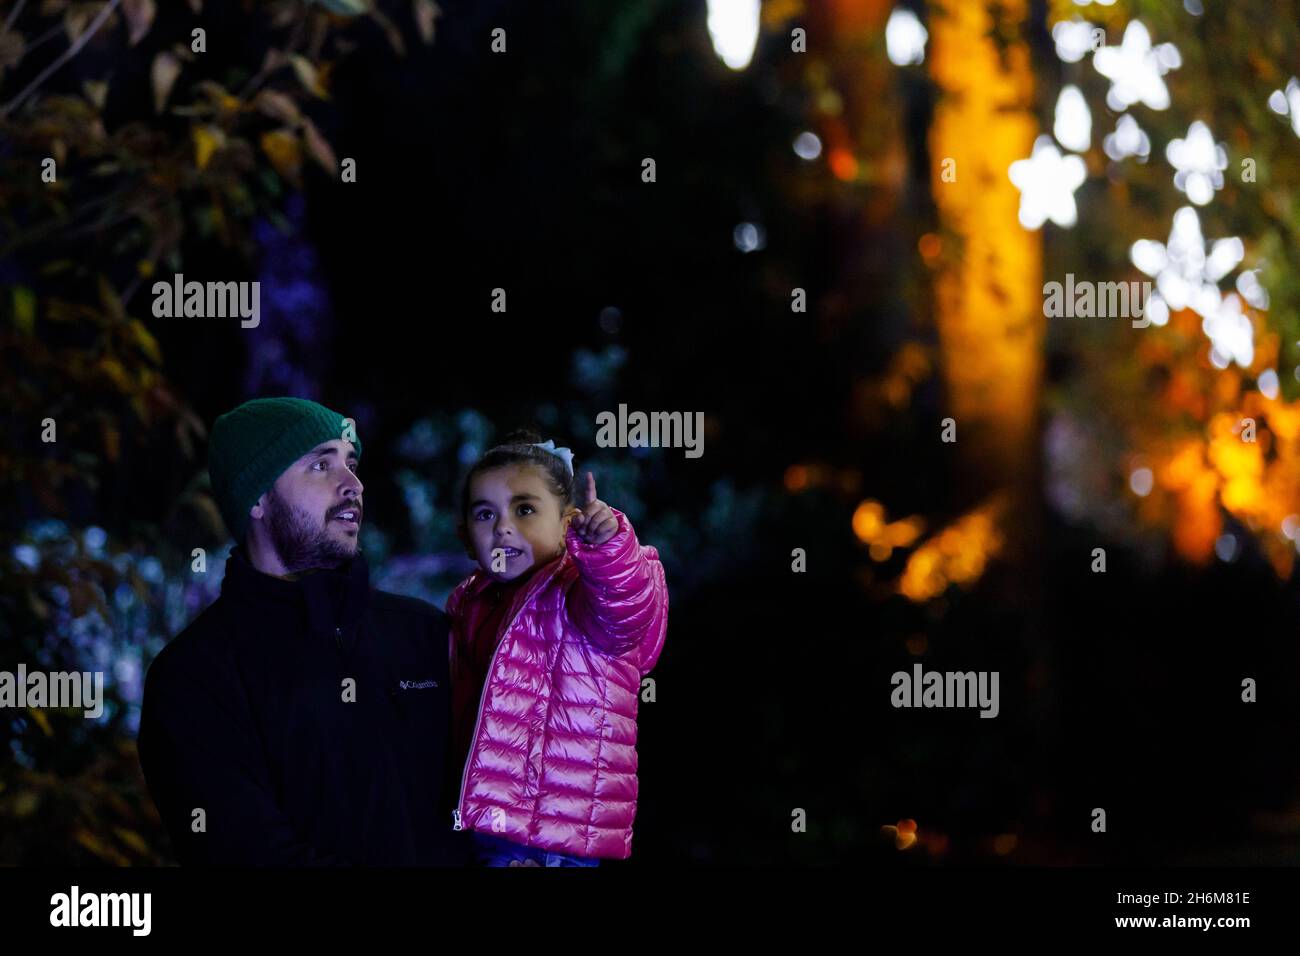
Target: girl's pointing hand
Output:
[(596, 523)]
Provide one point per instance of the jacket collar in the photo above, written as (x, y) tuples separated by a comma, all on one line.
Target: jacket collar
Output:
[(333, 598), (480, 581)]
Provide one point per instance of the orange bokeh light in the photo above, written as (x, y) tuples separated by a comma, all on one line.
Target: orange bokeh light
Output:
[(843, 164)]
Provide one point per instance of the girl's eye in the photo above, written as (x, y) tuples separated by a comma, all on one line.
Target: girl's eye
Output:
[(525, 510), (483, 515)]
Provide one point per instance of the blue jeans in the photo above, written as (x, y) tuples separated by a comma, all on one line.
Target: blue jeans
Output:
[(492, 850)]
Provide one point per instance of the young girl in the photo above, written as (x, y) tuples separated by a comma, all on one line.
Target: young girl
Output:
[(550, 639)]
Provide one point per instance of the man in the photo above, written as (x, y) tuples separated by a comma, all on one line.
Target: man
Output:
[(303, 718)]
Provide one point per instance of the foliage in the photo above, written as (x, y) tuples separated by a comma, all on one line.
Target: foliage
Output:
[(127, 149), (1153, 398)]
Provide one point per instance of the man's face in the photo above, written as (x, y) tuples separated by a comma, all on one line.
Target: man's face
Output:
[(313, 511)]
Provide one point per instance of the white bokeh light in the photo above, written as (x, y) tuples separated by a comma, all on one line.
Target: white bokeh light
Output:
[(1199, 162), (1251, 289), (1047, 181), (1187, 276), (1073, 39), (749, 237), (1268, 383), (807, 146), (1157, 312), (1073, 125), (1284, 102), (1225, 546), (1127, 140), (1231, 334), (905, 38), (733, 28), (1135, 68)]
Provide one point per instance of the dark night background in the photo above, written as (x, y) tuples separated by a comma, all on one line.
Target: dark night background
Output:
[(522, 171)]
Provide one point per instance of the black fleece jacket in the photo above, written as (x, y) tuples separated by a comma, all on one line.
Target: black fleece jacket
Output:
[(308, 721)]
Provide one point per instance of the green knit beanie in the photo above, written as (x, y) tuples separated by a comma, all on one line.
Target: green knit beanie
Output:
[(252, 445)]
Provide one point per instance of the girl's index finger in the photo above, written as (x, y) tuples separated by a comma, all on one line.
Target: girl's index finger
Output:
[(591, 487)]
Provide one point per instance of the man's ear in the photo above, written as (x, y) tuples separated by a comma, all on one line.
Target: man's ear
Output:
[(258, 511)]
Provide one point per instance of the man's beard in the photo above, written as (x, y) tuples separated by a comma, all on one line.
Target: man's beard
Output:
[(301, 543)]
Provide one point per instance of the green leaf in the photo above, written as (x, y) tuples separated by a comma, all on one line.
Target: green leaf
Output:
[(24, 309), (308, 75)]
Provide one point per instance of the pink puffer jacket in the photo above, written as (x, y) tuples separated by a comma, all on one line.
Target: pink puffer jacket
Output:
[(552, 751)]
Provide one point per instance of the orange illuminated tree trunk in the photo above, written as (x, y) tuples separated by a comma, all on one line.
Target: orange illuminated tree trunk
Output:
[(988, 290)]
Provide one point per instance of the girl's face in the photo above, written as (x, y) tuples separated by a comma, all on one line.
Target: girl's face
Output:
[(512, 508)]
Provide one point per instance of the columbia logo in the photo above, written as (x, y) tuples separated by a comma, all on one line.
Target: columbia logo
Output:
[(416, 685)]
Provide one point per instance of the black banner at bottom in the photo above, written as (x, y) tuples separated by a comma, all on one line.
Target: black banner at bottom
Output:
[(118, 906)]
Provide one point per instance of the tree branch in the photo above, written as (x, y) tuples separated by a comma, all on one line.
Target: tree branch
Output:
[(63, 58), (13, 14)]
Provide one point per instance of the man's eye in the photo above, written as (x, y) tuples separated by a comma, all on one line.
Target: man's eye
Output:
[(321, 464)]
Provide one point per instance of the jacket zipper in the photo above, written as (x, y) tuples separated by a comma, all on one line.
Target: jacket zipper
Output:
[(464, 774)]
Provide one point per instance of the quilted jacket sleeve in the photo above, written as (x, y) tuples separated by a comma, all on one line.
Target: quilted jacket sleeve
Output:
[(620, 600)]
